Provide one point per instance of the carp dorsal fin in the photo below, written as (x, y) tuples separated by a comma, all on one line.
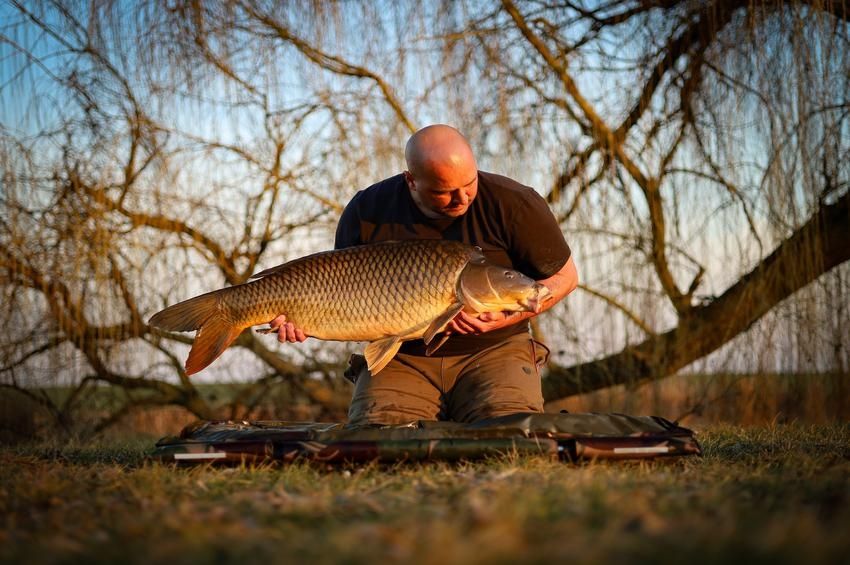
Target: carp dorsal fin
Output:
[(440, 322), (380, 352)]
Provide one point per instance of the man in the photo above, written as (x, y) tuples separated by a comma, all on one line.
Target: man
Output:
[(489, 366)]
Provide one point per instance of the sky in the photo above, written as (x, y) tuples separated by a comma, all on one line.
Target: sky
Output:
[(30, 104)]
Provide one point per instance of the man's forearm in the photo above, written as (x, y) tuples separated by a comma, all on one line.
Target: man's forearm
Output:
[(560, 285)]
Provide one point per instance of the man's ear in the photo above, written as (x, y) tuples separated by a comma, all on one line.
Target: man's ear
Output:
[(408, 178)]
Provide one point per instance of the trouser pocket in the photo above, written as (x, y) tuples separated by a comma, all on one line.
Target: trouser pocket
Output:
[(540, 354)]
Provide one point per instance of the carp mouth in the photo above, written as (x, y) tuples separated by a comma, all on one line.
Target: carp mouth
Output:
[(540, 295)]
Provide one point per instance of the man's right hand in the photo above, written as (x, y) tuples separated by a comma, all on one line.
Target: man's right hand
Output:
[(286, 331)]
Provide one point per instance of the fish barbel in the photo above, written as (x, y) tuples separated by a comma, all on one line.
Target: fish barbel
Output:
[(385, 293)]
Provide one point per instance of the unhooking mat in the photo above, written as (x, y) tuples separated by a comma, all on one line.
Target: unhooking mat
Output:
[(569, 437)]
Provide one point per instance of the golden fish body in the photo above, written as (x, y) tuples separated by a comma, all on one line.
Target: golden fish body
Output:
[(385, 293), (360, 293)]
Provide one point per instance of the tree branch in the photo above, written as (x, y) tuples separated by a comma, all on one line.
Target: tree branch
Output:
[(611, 301), (813, 249), (330, 62)]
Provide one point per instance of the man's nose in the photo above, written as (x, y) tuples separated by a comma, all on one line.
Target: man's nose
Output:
[(461, 197)]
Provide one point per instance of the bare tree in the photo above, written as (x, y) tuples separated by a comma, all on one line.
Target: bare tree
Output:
[(695, 153), (703, 79)]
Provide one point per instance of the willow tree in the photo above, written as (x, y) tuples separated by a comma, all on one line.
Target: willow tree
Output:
[(695, 154), (689, 126)]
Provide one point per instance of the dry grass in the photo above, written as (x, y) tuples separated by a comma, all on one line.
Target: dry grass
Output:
[(775, 494)]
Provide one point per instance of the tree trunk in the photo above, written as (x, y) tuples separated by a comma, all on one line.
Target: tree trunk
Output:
[(819, 245)]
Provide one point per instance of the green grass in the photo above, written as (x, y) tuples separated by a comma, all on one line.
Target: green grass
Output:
[(766, 495)]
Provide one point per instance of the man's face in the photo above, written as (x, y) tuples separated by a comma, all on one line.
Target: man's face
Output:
[(445, 194)]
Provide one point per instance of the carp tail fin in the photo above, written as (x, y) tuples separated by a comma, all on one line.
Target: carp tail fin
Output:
[(202, 313), (212, 339), (188, 315)]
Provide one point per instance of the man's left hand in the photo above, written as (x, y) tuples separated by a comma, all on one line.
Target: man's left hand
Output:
[(465, 323)]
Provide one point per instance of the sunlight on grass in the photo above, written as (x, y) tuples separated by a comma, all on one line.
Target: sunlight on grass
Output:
[(777, 494)]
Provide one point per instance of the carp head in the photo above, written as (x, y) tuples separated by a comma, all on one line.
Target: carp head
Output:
[(484, 287)]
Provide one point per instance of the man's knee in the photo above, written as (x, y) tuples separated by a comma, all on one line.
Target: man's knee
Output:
[(396, 396), (504, 380), (511, 402), (365, 414)]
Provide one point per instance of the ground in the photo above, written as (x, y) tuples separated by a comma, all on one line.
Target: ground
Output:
[(774, 494)]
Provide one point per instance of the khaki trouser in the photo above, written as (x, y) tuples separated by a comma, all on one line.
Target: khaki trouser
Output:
[(502, 379)]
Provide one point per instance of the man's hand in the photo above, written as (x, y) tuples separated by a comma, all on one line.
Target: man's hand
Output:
[(286, 331), (465, 323)]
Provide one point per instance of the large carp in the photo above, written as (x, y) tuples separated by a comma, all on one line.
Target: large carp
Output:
[(384, 293)]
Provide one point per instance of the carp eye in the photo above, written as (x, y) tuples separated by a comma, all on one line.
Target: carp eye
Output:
[(509, 274)]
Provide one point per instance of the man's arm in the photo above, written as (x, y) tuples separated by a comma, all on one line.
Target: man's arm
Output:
[(560, 285)]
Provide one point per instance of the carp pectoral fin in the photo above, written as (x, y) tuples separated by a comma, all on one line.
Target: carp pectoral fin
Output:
[(379, 353), (440, 322), (210, 342), (435, 345)]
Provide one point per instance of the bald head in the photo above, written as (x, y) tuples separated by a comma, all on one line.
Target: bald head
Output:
[(438, 147), (442, 174)]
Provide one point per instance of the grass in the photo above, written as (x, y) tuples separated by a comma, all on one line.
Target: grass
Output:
[(774, 494)]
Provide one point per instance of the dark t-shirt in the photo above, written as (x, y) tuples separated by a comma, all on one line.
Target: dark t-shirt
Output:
[(511, 223)]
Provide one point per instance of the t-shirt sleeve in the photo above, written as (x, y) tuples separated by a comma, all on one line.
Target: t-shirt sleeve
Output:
[(348, 227), (537, 246)]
